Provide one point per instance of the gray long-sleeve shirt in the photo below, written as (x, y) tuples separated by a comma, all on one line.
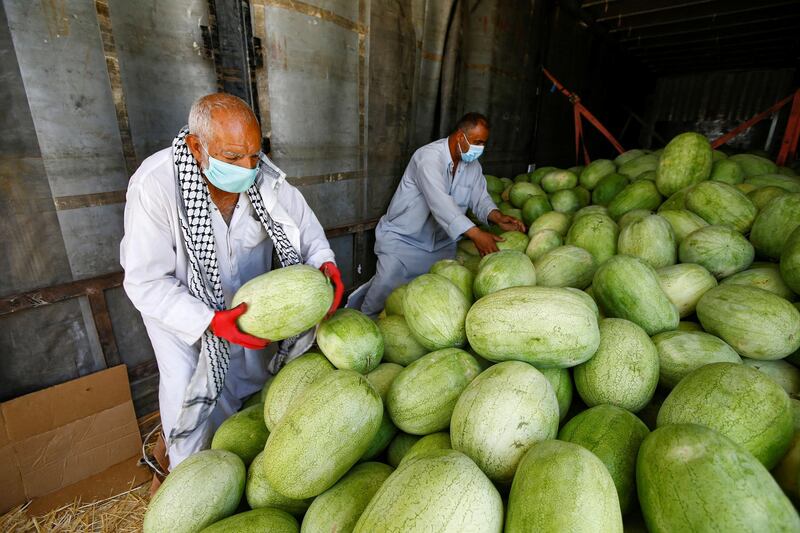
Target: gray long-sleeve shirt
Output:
[(428, 209)]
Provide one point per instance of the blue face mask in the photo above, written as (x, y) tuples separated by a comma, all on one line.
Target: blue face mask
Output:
[(227, 177), (473, 153)]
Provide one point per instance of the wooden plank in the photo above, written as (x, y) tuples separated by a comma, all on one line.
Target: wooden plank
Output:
[(89, 200), (58, 293), (102, 322)]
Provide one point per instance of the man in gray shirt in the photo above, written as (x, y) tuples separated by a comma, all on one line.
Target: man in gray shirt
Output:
[(427, 214)]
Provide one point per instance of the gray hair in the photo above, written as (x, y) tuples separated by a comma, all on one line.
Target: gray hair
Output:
[(201, 122)]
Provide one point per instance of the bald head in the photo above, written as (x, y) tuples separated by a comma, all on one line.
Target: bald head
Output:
[(210, 112)]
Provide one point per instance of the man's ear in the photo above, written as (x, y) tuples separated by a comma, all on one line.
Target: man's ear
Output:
[(194, 144)]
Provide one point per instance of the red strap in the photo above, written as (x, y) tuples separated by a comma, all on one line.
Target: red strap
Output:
[(792, 133), (745, 125)]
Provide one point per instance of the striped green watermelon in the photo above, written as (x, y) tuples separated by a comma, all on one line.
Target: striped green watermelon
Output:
[(686, 161), (261, 494), (775, 224), (537, 175), (634, 168), (765, 276), (503, 269), (561, 381), (780, 371), (630, 155), (513, 240), (682, 352), (753, 165), (351, 341), (595, 233), (683, 222), (434, 309), (427, 444), (633, 216), (790, 261), (542, 242), (394, 302), (535, 207), (761, 197), (244, 434), (721, 250), (399, 345), (608, 188), (290, 383), (590, 210), (676, 201), (727, 171), (684, 284), (399, 447), (256, 521), (787, 183), (565, 201), (651, 239), (595, 171), (719, 203), (565, 266), (558, 222), (558, 180), (457, 273), (638, 195), (522, 191)]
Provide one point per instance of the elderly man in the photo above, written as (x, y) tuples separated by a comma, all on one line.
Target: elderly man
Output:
[(427, 214), (202, 218)]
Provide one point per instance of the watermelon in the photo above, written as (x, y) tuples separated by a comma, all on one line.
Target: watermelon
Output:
[(781, 372), (746, 188), (774, 224), (787, 472), (608, 188), (501, 414), (501, 270), (739, 402), (691, 478), (633, 216), (382, 377), (558, 222), (496, 198), (565, 266), (686, 161), (650, 239), (765, 276), (351, 341), (470, 262), (685, 284), (552, 473), (727, 171), (683, 222), (688, 325), (595, 171), (325, 434), (789, 184), (383, 437), (577, 169), (682, 352), (761, 197), (584, 196), (399, 447), (255, 521), (756, 323), (542, 242), (399, 345), (534, 208), (493, 184), (676, 201), (283, 302), (561, 382), (565, 201), (427, 444), (394, 302), (522, 191), (634, 168), (244, 434), (339, 508), (537, 175), (623, 371), (595, 233), (547, 327), (649, 175), (614, 436), (422, 396), (587, 298), (628, 156), (458, 274), (717, 155), (753, 165), (466, 246), (638, 195), (439, 491), (790, 261), (558, 180), (590, 210), (201, 490), (513, 240), (261, 494), (627, 287), (434, 311), (507, 184), (290, 383), (519, 178), (721, 250), (719, 203)]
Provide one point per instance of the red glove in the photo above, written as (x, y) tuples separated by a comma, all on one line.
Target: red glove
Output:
[(224, 325), (333, 274)]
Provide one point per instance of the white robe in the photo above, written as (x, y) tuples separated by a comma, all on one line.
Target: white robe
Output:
[(154, 258)]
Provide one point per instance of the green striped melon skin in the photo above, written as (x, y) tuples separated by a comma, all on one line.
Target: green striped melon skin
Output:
[(590, 210), (780, 371), (765, 276), (719, 203), (756, 323), (520, 192), (351, 341), (584, 197), (746, 188), (399, 345), (513, 240), (440, 491), (763, 196), (547, 327), (422, 397), (382, 377), (553, 473), (628, 156), (727, 171), (683, 222), (739, 402), (256, 521), (691, 478), (634, 168), (596, 233), (290, 383), (394, 302), (386, 432), (493, 184), (651, 239), (429, 443), (566, 201), (638, 195), (502, 413), (627, 287), (535, 207), (721, 250), (688, 325), (623, 371), (614, 436), (558, 180), (435, 309), (283, 302), (676, 200), (561, 381), (261, 494), (595, 171), (753, 165), (558, 222), (787, 183), (565, 266), (325, 434), (542, 242), (503, 269), (682, 352), (790, 261), (608, 188), (339, 508), (774, 224), (633, 216), (460, 275), (684, 284), (686, 161), (399, 447), (201, 490), (243, 433)]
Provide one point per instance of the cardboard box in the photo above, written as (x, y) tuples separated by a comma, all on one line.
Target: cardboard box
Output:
[(53, 439)]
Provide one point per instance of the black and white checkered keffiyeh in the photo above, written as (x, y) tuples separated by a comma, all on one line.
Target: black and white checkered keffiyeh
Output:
[(204, 282)]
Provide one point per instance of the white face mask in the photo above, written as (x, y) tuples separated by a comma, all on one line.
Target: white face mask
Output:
[(473, 153)]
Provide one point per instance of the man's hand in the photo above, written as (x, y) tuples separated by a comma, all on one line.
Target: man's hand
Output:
[(506, 223), (332, 273), (485, 242), (224, 325)]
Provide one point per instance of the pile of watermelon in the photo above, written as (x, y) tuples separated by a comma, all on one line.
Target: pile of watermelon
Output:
[(632, 362)]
